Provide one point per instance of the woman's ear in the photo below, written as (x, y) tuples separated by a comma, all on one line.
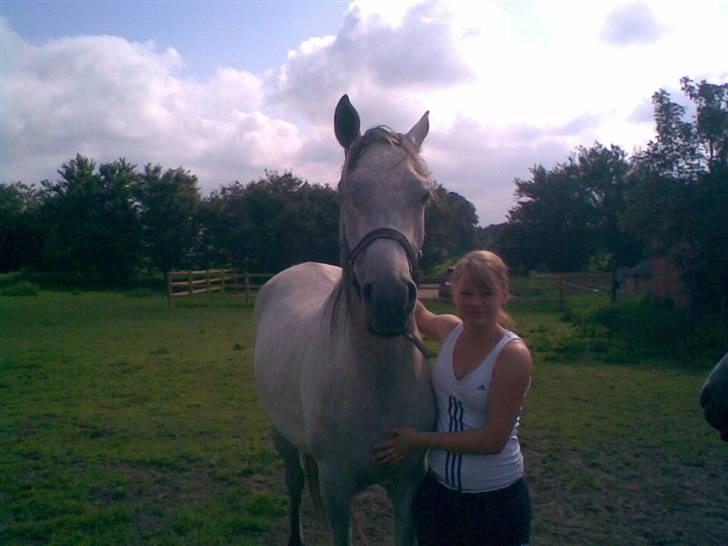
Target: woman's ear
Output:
[(505, 295)]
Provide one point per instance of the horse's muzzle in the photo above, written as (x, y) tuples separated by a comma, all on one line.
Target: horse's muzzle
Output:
[(389, 304)]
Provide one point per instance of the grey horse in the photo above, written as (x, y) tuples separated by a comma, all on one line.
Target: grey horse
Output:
[(336, 357), (714, 397)]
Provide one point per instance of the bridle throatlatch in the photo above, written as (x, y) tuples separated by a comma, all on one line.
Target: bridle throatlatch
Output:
[(413, 257)]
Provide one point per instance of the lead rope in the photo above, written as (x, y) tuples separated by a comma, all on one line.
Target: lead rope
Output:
[(419, 344)]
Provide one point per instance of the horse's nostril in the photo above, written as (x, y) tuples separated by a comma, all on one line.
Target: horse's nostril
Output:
[(412, 293)]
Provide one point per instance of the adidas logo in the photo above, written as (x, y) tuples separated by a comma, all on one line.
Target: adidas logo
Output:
[(481, 388)]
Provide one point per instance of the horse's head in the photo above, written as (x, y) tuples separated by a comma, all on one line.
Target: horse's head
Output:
[(714, 397), (384, 189)]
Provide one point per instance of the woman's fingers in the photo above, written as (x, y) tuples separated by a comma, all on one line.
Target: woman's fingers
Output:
[(384, 446), (386, 453), (390, 459)]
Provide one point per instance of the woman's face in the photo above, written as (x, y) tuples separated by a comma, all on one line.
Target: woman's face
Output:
[(477, 306)]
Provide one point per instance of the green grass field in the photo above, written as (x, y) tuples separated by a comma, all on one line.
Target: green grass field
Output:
[(125, 422)]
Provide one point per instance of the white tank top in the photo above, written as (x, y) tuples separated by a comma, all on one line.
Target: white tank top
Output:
[(462, 405)]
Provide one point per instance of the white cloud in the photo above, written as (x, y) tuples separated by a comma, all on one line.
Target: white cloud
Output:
[(508, 85), (381, 51), (631, 24), (106, 97)]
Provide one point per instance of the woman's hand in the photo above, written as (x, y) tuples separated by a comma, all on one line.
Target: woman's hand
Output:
[(404, 442)]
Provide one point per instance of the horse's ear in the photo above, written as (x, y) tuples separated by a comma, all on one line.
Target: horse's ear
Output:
[(419, 131), (346, 122)]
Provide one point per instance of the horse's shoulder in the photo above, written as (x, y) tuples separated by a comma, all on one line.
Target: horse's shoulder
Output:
[(301, 286), (305, 273)]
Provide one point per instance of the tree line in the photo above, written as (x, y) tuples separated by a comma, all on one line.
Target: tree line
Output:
[(105, 225), (601, 209), (598, 210)]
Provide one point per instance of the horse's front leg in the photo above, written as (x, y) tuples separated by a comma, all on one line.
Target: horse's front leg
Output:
[(336, 495), (402, 494)]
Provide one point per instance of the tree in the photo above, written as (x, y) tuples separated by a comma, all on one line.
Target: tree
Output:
[(450, 227), (603, 173), (678, 201), (168, 205), (270, 224), (571, 214), (20, 236), (551, 222), (90, 223)]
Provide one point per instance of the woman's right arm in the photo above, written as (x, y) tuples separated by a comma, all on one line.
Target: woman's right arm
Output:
[(435, 326)]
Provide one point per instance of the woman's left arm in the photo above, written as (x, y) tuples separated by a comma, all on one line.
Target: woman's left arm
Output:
[(511, 379)]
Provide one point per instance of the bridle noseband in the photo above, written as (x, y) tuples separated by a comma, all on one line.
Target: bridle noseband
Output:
[(413, 255)]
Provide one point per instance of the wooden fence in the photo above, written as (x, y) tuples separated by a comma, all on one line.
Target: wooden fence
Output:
[(182, 284), (427, 289), (206, 281), (565, 283)]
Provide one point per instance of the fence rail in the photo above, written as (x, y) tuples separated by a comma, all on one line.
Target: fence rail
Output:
[(576, 282), (182, 284)]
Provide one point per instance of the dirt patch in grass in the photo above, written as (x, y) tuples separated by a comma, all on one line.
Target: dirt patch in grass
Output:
[(372, 519), (606, 496), (614, 495)]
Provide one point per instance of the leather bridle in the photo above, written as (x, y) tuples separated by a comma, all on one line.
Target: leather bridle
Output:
[(413, 257)]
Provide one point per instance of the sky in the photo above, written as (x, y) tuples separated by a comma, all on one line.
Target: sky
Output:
[(231, 89)]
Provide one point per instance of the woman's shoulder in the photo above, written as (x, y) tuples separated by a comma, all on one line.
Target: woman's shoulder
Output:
[(516, 356)]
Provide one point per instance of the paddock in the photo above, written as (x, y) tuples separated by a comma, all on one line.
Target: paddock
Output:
[(127, 422)]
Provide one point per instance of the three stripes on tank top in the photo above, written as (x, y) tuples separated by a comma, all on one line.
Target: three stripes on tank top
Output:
[(454, 461)]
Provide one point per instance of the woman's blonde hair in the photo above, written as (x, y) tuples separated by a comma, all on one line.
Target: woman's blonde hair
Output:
[(489, 273)]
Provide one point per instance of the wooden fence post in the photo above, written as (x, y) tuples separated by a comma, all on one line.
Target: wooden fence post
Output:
[(190, 287), (169, 289), (247, 288)]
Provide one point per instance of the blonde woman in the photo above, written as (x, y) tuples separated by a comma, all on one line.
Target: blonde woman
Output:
[(474, 492)]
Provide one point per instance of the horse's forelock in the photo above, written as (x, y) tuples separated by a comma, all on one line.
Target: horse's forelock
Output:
[(383, 134)]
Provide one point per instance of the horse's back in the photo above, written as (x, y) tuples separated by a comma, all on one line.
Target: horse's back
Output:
[(290, 311)]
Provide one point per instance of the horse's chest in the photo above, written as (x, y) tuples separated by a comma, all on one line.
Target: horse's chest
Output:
[(353, 417)]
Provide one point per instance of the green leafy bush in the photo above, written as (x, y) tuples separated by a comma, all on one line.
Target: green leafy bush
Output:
[(638, 329), (9, 279), (21, 288)]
